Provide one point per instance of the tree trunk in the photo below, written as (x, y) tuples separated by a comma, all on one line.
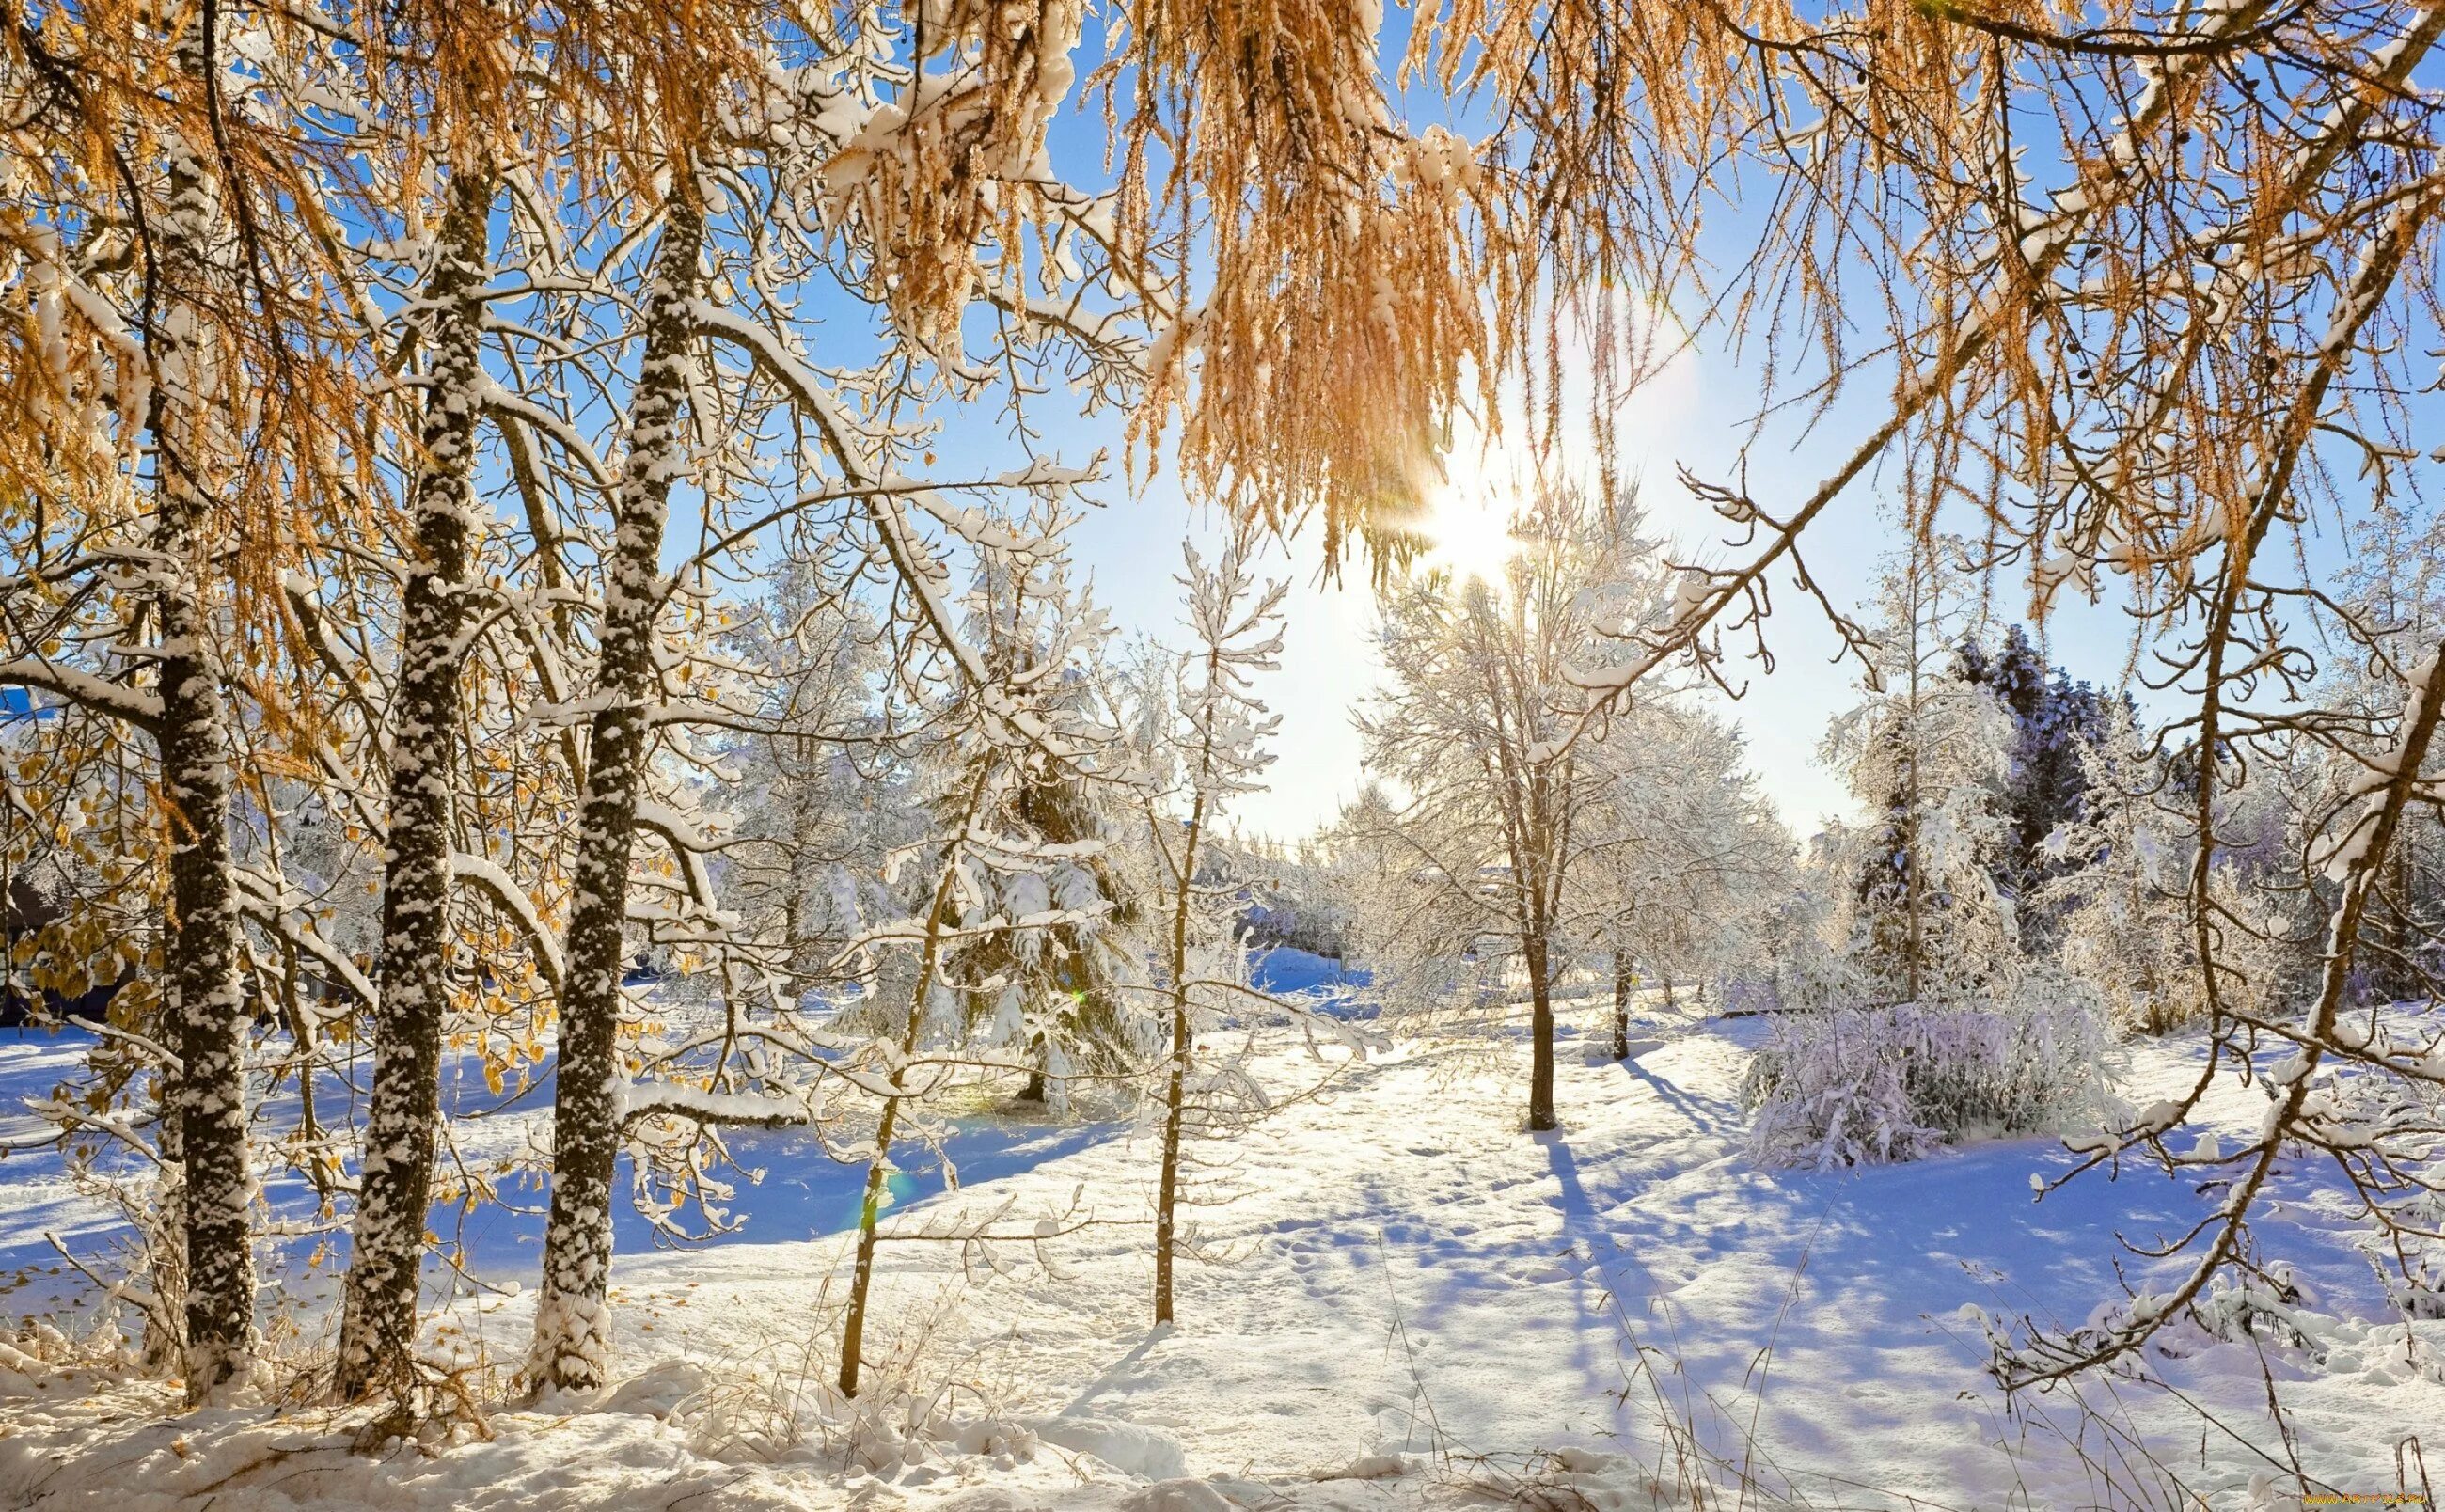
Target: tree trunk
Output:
[(206, 991), (869, 1217), (1621, 980), (572, 1343), (1540, 1027), (1175, 1101), (1175, 1096), (211, 1013), (878, 1171), (164, 1347), (799, 957), (377, 1320)]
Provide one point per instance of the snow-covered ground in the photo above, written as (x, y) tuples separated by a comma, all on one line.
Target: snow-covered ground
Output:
[(1410, 1301)]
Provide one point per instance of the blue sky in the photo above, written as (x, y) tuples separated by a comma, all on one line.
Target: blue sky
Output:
[(1695, 412)]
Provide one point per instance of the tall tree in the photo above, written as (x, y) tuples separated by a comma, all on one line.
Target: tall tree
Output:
[(1684, 853), (571, 1344), (1928, 753), (1473, 728), (418, 954), (206, 994), (985, 732), (1223, 725), (2053, 721)]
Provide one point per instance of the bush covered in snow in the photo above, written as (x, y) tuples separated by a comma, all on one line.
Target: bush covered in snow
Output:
[(1848, 1086)]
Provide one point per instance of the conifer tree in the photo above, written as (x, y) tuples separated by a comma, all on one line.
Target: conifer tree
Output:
[(2054, 719), (1928, 753)]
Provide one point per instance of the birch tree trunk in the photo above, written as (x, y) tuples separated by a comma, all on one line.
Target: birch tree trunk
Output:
[(571, 1348), (378, 1321)]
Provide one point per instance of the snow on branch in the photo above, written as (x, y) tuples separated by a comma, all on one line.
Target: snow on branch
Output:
[(96, 695)]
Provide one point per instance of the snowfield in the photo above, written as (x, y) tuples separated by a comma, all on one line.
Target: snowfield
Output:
[(1408, 1301)]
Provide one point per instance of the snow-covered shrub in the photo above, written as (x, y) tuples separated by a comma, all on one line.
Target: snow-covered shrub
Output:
[(96, 1341), (2273, 1306), (1847, 1086)]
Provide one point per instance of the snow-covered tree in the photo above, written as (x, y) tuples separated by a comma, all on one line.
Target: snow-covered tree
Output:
[(570, 1327), (1060, 992), (2054, 719), (417, 955), (1683, 853), (181, 394), (2126, 920), (817, 784), (1235, 627), (1927, 754), (991, 728), (1474, 729)]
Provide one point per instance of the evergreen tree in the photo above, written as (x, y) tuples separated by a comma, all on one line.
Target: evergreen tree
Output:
[(2054, 719), (1930, 751), (1058, 990)]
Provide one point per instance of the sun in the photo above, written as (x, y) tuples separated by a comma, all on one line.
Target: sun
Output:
[(1471, 538), (1468, 521)]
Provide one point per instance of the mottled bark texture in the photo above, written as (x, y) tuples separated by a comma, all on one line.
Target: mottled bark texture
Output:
[(378, 1319), (571, 1348), (205, 993)]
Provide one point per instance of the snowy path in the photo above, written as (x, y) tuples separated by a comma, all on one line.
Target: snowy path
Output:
[(1406, 1269)]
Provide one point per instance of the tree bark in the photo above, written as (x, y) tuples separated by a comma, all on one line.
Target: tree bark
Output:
[(869, 1217), (1175, 1098), (1621, 977), (164, 1347), (210, 1085), (1540, 1028), (878, 1171), (1168, 1197), (572, 1343), (209, 1099), (206, 993), (377, 1320)]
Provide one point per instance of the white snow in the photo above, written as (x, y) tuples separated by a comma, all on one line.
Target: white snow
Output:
[(1413, 1297)]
